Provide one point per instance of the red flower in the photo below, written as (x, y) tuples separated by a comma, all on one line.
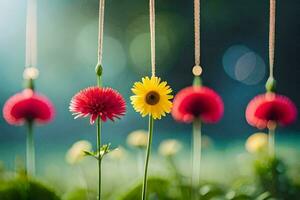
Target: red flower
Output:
[(270, 107), (197, 102), (28, 106), (98, 102)]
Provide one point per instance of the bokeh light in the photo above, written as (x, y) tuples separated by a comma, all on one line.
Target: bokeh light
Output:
[(114, 58), (140, 52), (167, 42), (244, 65)]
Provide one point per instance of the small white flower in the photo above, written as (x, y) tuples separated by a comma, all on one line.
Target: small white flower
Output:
[(169, 147), (138, 138), (76, 152)]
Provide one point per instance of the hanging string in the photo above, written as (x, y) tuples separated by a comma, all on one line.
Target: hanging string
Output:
[(31, 72), (197, 70), (101, 30), (31, 34), (272, 36), (197, 31), (152, 34)]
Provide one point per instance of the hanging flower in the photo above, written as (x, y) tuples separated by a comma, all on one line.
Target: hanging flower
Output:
[(152, 97), (95, 102), (197, 102), (257, 142), (270, 107), (28, 106)]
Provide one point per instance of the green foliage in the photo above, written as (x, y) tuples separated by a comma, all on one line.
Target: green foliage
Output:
[(80, 194), (158, 188), (164, 189), (273, 179), (25, 189), (271, 182)]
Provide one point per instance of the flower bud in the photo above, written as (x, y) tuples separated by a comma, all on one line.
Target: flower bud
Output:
[(270, 84), (98, 69)]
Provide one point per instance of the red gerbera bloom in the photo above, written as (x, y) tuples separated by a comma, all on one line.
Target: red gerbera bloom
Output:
[(98, 102), (28, 106), (197, 102), (270, 107)]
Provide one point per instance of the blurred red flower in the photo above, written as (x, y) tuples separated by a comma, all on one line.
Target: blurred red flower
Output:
[(98, 102), (270, 107), (28, 106), (197, 102)]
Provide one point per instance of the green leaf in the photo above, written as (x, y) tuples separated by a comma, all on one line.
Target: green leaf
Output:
[(157, 188), (90, 153), (26, 189)]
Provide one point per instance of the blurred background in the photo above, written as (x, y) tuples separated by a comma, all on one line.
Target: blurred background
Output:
[(234, 52)]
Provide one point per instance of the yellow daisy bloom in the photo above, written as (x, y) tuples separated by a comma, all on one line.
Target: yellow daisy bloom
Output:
[(152, 97)]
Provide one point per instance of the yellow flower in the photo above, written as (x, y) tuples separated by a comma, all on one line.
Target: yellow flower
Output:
[(257, 142), (76, 152), (152, 97)]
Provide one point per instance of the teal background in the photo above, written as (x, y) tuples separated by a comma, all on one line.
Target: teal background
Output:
[(67, 55)]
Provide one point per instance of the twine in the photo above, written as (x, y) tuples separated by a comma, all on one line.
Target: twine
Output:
[(101, 30), (272, 37), (31, 34), (197, 31), (152, 34)]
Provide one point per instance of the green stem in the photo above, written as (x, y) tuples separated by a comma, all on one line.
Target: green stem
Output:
[(99, 81), (176, 173), (30, 154), (196, 157), (140, 160), (144, 191), (83, 180), (99, 84), (271, 137), (99, 158)]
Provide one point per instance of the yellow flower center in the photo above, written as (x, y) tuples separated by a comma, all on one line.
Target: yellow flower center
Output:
[(152, 98)]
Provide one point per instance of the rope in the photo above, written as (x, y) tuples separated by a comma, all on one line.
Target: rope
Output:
[(152, 34), (101, 30), (197, 31), (272, 36), (31, 34)]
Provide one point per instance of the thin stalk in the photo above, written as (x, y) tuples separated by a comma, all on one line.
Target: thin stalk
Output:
[(30, 152), (99, 81), (176, 174), (144, 191), (196, 157), (271, 138), (84, 181), (140, 161), (99, 158), (98, 124)]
